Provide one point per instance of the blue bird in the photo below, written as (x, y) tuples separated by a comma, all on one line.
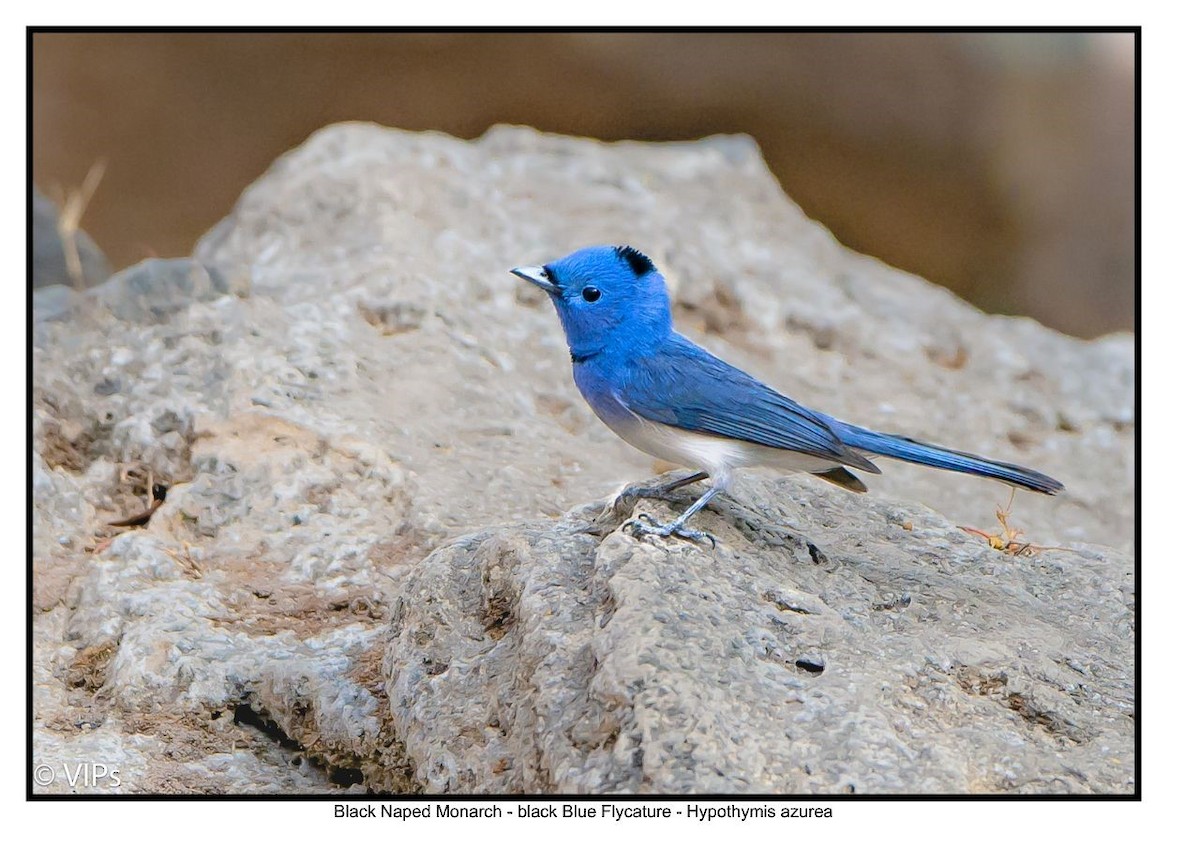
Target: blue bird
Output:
[(670, 398)]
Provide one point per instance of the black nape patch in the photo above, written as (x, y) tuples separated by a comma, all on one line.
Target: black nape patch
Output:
[(637, 261)]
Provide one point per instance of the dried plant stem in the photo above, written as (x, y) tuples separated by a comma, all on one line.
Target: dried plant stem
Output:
[(72, 208)]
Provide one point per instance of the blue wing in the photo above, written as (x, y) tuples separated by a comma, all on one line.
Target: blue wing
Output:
[(683, 385)]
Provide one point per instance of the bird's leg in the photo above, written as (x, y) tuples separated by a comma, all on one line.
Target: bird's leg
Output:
[(646, 525), (657, 492)]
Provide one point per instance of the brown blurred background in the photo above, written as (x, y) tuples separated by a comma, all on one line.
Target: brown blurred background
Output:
[(1000, 165)]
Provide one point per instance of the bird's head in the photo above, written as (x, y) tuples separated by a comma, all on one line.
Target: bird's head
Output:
[(607, 298)]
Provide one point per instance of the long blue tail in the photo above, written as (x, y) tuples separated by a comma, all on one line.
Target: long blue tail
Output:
[(910, 450)]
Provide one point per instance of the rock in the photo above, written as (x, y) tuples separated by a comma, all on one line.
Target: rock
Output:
[(155, 289), (385, 559), (563, 656), (149, 292), (49, 256)]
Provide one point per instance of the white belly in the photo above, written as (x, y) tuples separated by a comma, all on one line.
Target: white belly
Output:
[(716, 455)]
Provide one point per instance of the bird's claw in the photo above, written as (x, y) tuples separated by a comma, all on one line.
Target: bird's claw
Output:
[(644, 525)]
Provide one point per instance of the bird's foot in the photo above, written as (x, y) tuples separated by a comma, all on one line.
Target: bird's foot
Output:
[(644, 525)]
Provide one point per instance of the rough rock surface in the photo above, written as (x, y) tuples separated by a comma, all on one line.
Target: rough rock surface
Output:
[(372, 568)]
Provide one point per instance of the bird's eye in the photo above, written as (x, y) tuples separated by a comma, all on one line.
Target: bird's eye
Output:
[(591, 294)]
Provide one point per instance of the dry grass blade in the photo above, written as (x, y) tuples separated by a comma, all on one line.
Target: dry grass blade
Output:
[(72, 207)]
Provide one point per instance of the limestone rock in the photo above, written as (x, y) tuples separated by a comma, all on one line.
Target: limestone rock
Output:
[(384, 559), (567, 657)]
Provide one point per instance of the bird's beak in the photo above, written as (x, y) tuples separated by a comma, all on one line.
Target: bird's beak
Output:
[(536, 274)]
